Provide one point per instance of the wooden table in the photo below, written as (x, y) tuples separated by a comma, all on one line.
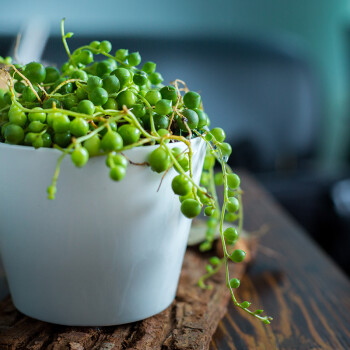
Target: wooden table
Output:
[(293, 280)]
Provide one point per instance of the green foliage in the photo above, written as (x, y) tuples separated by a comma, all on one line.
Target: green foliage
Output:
[(93, 107)]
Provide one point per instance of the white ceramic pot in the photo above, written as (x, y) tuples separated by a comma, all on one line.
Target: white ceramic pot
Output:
[(101, 253)]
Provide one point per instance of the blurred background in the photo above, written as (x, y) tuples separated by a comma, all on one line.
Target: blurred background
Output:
[(274, 74)]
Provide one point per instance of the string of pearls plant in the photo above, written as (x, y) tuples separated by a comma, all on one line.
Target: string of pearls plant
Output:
[(102, 108)]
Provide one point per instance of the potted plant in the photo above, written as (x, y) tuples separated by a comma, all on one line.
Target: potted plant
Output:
[(106, 251)]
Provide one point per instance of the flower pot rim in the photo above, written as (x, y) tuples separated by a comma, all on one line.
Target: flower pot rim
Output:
[(57, 151)]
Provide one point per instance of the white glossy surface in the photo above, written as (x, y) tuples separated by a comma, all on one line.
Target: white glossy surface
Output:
[(102, 253)]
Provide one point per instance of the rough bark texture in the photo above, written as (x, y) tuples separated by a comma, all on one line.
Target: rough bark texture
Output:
[(188, 323)]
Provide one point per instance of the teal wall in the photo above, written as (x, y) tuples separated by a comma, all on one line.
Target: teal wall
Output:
[(320, 26), (323, 27)]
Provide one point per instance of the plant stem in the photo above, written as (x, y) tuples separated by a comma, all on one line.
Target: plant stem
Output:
[(201, 283), (150, 109), (64, 39)]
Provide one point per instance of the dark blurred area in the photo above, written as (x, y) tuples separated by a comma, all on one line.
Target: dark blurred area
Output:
[(275, 77)]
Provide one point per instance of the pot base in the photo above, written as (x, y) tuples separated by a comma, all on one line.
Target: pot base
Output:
[(95, 323)]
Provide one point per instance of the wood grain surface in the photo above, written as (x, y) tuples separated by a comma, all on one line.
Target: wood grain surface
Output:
[(293, 280)]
